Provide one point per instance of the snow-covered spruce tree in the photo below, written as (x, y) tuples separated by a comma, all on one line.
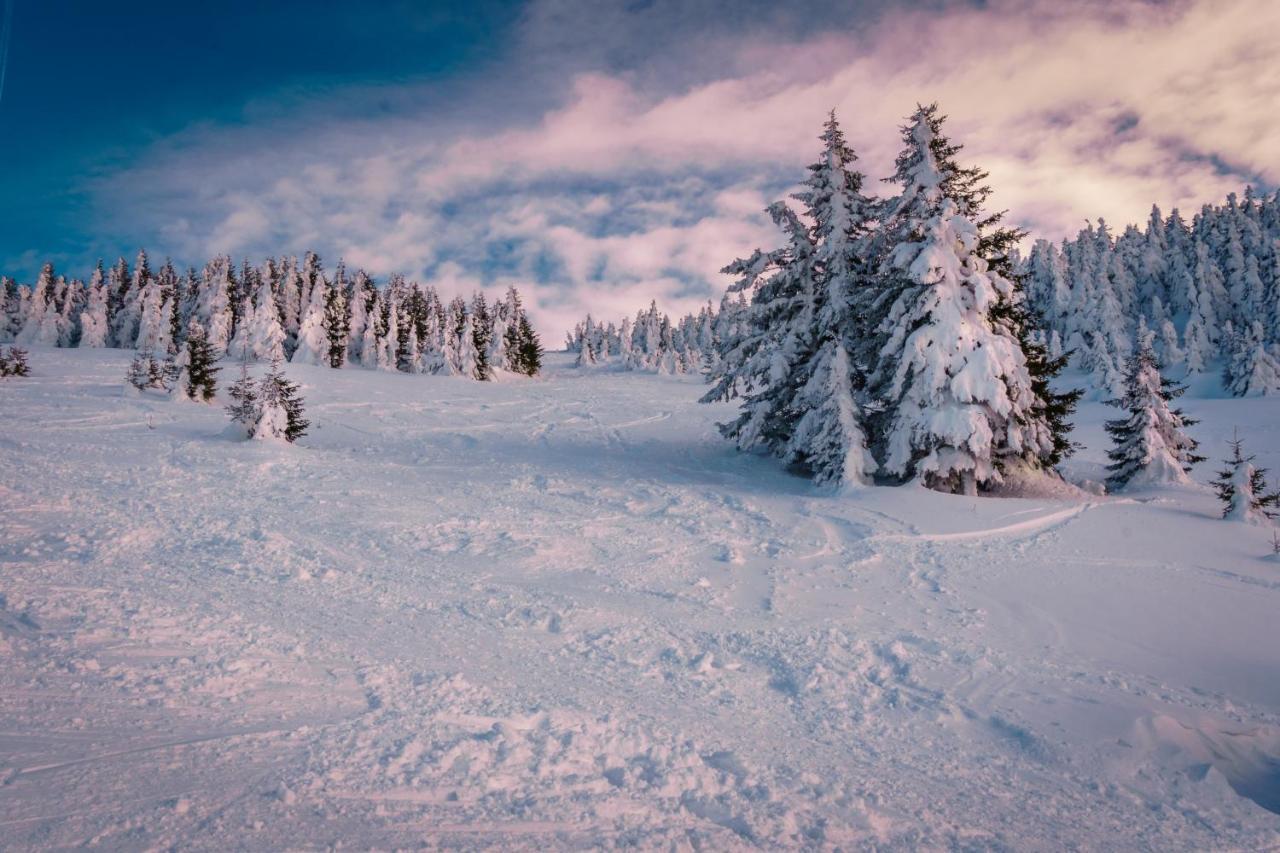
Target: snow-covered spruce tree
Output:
[(95, 331), (13, 362), (244, 401), (41, 324), (1242, 488), (263, 338), (1251, 370), (528, 348), (1151, 445), (312, 346), (337, 318), (201, 372), (828, 438), (213, 303), (280, 409), (146, 372), (957, 397), (360, 300), (481, 337), (761, 366), (154, 327)]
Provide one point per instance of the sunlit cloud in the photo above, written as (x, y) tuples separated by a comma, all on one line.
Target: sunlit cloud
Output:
[(633, 185)]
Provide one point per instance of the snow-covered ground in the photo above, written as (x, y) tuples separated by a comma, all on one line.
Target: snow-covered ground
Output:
[(564, 612)]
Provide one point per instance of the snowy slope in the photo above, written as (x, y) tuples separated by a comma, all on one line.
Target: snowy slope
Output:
[(565, 612)]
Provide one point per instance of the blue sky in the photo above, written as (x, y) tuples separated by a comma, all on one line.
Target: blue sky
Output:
[(598, 153)]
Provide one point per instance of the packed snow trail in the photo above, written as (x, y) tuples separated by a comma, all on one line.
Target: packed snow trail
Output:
[(565, 612)]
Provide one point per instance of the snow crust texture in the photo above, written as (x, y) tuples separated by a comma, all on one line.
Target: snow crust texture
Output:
[(565, 613)]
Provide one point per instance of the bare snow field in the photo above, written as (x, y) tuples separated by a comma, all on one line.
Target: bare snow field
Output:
[(565, 613)]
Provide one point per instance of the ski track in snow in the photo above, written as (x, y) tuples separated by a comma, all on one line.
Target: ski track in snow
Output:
[(565, 613)]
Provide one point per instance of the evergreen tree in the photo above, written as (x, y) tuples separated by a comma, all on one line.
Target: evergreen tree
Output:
[(13, 362), (279, 408), (95, 329), (244, 401), (1242, 488), (528, 348), (1251, 370), (312, 346), (481, 336), (952, 378), (201, 371), (337, 317), (1151, 445)]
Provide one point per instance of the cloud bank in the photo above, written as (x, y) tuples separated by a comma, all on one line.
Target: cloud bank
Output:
[(599, 175)]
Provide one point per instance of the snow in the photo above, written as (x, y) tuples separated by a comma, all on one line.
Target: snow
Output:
[(566, 613)]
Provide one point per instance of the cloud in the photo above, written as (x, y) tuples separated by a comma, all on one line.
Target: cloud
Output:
[(625, 179)]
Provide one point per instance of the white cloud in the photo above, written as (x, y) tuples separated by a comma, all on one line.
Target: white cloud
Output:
[(627, 190)]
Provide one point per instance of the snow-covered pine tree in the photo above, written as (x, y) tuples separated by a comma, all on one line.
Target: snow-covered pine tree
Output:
[(1251, 371), (146, 372), (360, 299), (481, 337), (389, 343), (122, 321), (41, 324), (1242, 488), (264, 338), (171, 293), (530, 348), (201, 372), (94, 324), (1151, 446), (312, 346), (828, 439), (213, 307), (372, 350), (129, 315), (244, 401), (279, 408), (957, 396), (13, 362), (154, 326), (337, 317)]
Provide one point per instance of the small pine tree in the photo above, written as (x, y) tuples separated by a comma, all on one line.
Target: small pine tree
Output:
[(1242, 488), (481, 337), (244, 400), (139, 373), (1151, 445), (280, 408), (201, 372), (529, 348), (14, 362)]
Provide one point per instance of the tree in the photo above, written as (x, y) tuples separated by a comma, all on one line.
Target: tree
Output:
[(268, 410), (280, 408), (1251, 370), (481, 337), (213, 304), (1242, 488), (829, 439), (41, 324), (14, 362), (146, 372), (95, 328), (528, 348), (201, 371), (264, 337), (337, 316), (244, 401), (313, 339), (1151, 446), (957, 396)]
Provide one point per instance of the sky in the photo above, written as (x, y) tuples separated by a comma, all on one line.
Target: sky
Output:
[(597, 153)]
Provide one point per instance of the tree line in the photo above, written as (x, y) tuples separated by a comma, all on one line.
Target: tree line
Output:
[(287, 309)]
